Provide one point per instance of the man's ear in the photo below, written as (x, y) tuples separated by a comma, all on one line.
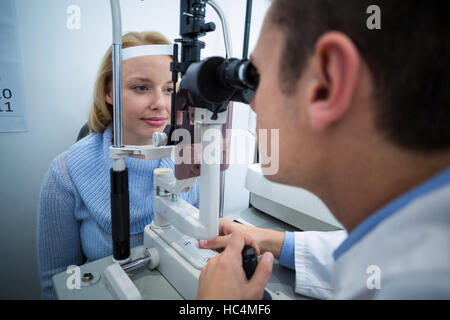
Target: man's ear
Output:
[(336, 68)]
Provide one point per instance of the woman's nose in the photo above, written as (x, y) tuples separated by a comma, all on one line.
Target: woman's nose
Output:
[(158, 100)]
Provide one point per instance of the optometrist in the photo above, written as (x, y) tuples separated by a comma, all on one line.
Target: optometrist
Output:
[(363, 116)]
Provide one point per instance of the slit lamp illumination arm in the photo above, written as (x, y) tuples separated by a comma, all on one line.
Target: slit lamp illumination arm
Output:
[(120, 204)]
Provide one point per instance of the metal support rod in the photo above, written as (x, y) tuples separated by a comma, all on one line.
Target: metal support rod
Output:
[(173, 112), (222, 193), (117, 71), (136, 264), (229, 53), (248, 22), (120, 203), (210, 183), (117, 94)]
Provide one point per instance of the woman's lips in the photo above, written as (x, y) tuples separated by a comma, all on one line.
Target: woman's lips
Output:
[(156, 121)]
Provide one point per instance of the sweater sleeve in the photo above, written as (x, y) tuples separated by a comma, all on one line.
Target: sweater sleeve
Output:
[(59, 244), (195, 194)]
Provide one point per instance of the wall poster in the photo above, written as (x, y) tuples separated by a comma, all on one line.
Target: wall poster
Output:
[(12, 95)]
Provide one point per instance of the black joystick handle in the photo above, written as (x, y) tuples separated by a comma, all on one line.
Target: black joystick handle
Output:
[(249, 263)]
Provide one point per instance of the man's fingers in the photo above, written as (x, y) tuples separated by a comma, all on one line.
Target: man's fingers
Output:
[(217, 243), (262, 273), (239, 240), (222, 242), (224, 226)]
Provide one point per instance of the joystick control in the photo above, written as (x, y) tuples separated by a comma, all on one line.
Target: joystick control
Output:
[(249, 263)]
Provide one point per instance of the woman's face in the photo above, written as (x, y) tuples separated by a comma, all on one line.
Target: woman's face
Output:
[(146, 98)]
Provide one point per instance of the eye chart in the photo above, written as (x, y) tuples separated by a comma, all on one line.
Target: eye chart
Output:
[(12, 102)]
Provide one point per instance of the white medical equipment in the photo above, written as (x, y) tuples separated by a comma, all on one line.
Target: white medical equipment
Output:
[(177, 224)]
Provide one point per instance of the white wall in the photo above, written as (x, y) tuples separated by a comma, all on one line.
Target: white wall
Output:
[(60, 67)]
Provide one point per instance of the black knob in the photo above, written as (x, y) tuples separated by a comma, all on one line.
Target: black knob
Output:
[(249, 261), (208, 27)]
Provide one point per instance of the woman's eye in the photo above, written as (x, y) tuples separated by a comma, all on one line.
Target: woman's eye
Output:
[(141, 88), (168, 90)]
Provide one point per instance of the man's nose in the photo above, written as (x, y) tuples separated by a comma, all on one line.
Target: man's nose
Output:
[(252, 104)]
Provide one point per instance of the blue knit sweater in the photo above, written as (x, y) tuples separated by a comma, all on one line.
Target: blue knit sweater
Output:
[(74, 224)]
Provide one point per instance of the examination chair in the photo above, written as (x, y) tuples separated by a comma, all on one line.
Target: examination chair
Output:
[(84, 131)]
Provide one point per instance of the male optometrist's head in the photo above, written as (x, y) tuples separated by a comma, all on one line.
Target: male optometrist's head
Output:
[(363, 113)]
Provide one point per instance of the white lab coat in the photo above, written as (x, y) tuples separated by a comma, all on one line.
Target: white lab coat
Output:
[(407, 256), (314, 262)]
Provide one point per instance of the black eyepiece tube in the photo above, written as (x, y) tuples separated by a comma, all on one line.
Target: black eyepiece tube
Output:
[(120, 214)]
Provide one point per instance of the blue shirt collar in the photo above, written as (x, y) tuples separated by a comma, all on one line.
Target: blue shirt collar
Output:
[(370, 223)]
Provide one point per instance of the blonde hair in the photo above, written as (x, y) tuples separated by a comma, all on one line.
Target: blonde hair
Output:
[(101, 112)]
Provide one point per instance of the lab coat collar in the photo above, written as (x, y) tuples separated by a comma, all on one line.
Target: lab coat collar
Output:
[(374, 220)]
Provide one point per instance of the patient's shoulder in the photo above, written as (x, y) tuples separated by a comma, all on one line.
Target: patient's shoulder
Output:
[(59, 167), (57, 178), (59, 164)]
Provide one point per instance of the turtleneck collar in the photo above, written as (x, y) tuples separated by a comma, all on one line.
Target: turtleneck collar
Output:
[(89, 167)]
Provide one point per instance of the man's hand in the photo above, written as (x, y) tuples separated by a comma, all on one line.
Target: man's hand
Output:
[(223, 278), (263, 240)]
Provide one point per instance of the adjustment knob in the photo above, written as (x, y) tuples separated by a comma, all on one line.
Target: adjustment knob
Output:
[(249, 261), (208, 27), (159, 139)]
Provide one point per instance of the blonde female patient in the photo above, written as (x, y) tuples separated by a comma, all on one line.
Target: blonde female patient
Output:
[(74, 224)]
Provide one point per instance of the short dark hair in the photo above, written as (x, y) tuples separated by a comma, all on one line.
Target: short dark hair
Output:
[(408, 59)]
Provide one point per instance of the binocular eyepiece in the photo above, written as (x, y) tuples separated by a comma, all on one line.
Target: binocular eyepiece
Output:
[(217, 80), (238, 74)]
